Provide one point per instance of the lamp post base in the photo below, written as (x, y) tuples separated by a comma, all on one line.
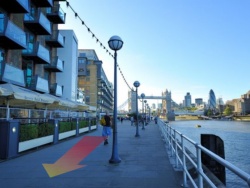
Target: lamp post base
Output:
[(137, 135), (115, 160)]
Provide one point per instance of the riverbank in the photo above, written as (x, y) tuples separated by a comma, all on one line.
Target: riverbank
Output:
[(186, 117), (241, 118), (189, 117)]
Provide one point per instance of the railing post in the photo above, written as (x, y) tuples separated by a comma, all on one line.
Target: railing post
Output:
[(199, 166), (176, 153), (184, 162), (171, 143)]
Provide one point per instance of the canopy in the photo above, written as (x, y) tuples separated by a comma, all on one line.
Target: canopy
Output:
[(21, 97), (61, 103), (16, 96)]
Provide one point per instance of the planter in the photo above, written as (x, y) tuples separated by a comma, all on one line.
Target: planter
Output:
[(29, 144), (67, 134), (84, 130)]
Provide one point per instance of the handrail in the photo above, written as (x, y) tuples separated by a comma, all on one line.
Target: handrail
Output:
[(175, 142)]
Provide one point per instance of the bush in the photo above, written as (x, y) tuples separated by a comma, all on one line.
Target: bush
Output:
[(83, 123), (45, 129), (64, 126), (28, 132)]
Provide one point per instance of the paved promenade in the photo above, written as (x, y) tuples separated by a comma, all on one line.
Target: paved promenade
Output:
[(144, 163)]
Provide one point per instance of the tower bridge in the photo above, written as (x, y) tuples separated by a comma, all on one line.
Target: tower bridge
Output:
[(166, 102)]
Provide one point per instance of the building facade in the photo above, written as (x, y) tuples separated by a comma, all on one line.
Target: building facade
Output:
[(240, 106), (211, 100), (29, 39), (187, 100), (93, 81), (69, 79)]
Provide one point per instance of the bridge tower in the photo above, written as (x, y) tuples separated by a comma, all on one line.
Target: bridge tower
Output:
[(169, 112)]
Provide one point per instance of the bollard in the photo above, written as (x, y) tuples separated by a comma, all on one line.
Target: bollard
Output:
[(9, 138), (55, 122)]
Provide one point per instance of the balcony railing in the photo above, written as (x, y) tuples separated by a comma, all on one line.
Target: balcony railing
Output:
[(56, 39), (11, 74), (11, 36), (43, 3), (56, 89), (56, 65), (37, 53), (38, 23), (39, 84), (15, 6), (56, 14)]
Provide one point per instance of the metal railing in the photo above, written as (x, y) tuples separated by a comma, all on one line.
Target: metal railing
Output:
[(177, 145)]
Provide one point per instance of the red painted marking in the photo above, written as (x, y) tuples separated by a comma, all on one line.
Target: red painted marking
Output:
[(70, 160)]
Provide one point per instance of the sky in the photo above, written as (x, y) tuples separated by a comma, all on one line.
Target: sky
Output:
[(176, 45)]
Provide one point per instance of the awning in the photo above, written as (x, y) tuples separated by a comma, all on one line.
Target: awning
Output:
[(65, 104), (21, 97), (16, 96)]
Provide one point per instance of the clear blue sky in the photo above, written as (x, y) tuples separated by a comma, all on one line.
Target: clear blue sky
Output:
[(180, 45)]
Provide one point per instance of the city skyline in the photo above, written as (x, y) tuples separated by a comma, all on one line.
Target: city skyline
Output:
[(175, 45)]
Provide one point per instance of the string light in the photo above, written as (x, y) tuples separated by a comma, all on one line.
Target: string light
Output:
[(97, 40)]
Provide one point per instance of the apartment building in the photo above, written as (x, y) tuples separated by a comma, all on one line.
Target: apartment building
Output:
[(93, 81), (29, 57)]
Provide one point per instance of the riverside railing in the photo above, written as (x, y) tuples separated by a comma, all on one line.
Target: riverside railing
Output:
[(178, 146)]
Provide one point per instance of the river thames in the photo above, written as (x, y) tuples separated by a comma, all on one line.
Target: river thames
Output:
[(236, 137)]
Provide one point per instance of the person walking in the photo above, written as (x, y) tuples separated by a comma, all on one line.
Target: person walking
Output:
[(132, 120), (106, 131)]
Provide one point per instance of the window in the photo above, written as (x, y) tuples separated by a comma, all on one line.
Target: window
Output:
[(1, 59), (28, 70)]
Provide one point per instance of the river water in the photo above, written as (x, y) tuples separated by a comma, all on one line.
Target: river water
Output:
[(236, 137)]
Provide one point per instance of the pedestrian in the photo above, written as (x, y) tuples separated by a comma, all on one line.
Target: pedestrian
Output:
[(132, 120), (156, 119), (121, 119), (106, 131)]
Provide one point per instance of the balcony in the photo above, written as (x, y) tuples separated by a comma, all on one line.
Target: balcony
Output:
[(11, 36), (57, 65), (37, 53), (39, 84), (15, 6), (55, 40), (56, 14), (43, 3), (56, 90), (11, 74), (38, 23)]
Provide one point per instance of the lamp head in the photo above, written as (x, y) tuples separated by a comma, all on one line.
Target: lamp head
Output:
[(136, 84), (115, 43), (142, 95)]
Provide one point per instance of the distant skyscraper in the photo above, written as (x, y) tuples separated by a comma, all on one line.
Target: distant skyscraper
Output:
[(198, 101), (211, 100), (187, 100)]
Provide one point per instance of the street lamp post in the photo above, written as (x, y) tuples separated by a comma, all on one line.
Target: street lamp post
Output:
[(145, 101), (137, 84), (115, 43), (143, 96)]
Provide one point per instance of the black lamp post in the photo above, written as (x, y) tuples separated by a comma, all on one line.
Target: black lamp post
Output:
[(143, 123), (145, 101), (115, 43), (137, 84)]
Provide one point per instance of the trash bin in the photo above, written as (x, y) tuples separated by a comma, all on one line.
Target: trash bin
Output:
[(9, 138)]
